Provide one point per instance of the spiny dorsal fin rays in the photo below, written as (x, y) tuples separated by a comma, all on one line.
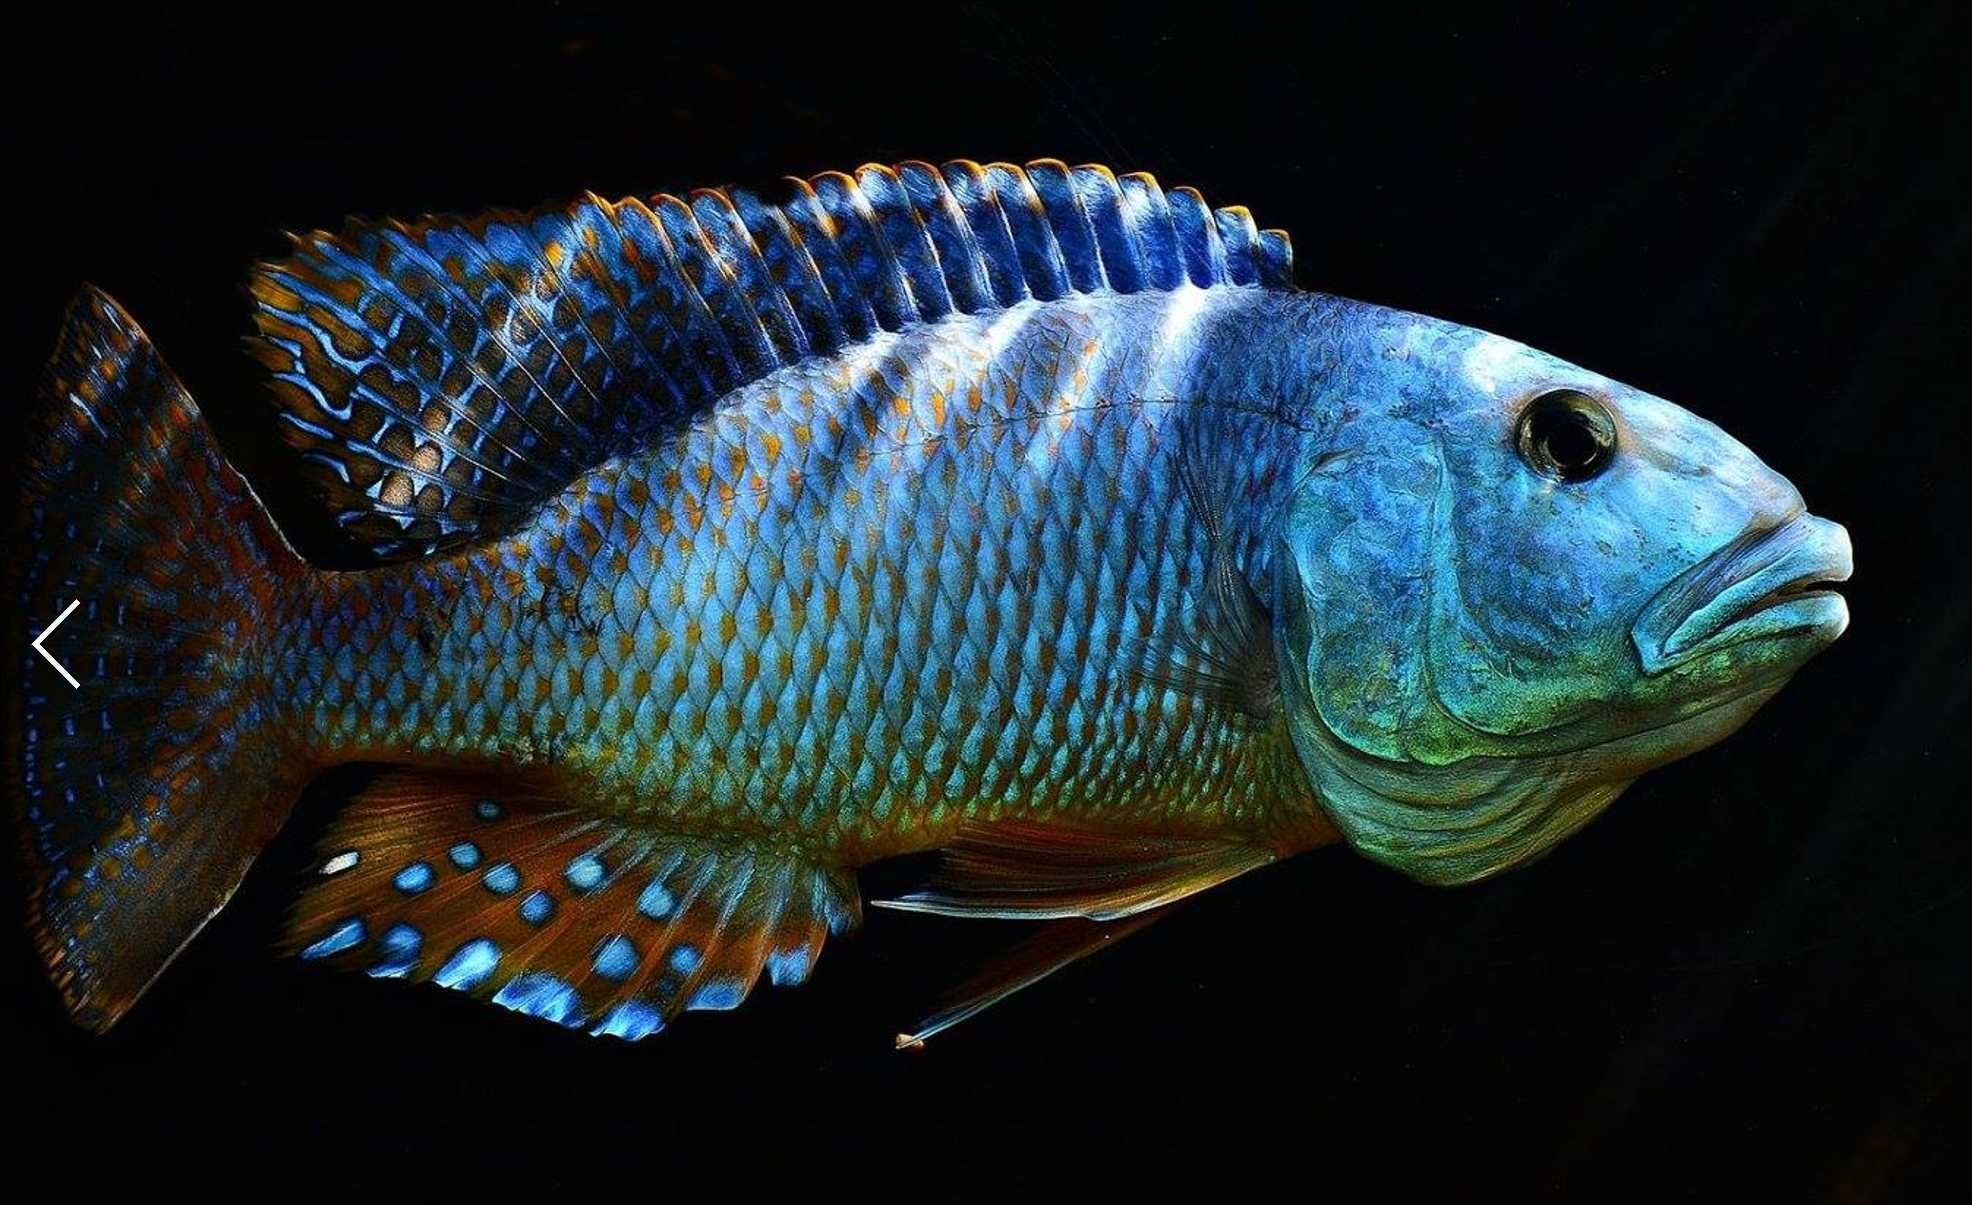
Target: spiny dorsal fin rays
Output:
[(441, 378)]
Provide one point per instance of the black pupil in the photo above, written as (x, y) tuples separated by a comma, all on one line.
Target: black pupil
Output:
[(1566, 435), (1569, 438)]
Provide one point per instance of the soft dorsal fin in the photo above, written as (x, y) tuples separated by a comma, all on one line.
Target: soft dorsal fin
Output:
[(441, 378)]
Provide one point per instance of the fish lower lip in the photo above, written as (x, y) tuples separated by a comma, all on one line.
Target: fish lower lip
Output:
[(1766, 583), (1817, 588)]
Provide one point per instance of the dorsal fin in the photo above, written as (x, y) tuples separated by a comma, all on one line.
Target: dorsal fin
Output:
[(440, 378)]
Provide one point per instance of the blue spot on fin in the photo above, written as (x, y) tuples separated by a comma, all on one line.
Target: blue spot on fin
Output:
[(470, 965), (399, 946), (608, 928), (345, 936), (541, 995)]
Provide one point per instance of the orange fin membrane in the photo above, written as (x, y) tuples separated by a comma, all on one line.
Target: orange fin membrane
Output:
[(517, 898), (1016, 870), (1057, 944)]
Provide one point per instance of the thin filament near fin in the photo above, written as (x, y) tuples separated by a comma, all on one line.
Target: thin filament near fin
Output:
[(1055, 946)]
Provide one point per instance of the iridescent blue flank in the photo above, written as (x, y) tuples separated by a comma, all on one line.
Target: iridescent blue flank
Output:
[(469, 966), (787, 967), (718, 995), (616, 959), (585, 873), (486, 809), (630, 1020), (502, 878), (400, 945), (537, 907), (685, 958), (542, 995), (464, 855), (414, 878), (655, 902), (342, 937)]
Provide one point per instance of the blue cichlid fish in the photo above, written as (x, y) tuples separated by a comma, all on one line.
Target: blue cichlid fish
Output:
[(722, 545)]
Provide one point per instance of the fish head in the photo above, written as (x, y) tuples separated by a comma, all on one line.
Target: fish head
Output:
[(1507, 586)]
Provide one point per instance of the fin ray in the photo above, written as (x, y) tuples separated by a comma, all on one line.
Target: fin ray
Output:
[(1025, 870), (144, 790), (441, 378), (1058, 944), (503, 890), (1224, 653)]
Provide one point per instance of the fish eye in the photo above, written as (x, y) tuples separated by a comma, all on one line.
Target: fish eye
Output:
[(1567, 435)]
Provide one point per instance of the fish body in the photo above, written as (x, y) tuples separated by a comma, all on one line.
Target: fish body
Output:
[(864, 601), (721, 547)]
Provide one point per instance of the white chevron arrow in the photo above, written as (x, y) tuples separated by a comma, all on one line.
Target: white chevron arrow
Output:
[(50, 657)]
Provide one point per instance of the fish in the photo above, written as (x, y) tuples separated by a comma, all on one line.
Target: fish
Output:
[(704, 550)]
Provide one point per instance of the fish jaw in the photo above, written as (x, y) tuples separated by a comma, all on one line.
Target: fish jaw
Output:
[(1767, 584)]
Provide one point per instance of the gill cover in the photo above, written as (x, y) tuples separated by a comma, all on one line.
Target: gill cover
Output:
[(1360, 589), (1364, 581)]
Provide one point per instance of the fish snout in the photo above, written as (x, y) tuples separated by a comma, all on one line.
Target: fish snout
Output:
[(1768, 582)]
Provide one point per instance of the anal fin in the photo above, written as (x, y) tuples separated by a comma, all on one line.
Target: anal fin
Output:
[(591, 922)]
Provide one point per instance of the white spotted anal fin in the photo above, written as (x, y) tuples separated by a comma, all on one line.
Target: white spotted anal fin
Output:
[(495, 888), (441, 378), (1022, 870)]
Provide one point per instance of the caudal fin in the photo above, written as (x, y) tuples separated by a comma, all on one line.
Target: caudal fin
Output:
[(143, 791)]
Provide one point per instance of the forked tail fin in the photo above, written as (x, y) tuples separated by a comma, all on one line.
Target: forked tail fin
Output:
[(144, 790)]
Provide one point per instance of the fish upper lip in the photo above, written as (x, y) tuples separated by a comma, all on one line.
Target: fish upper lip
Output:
[(1704, 608)]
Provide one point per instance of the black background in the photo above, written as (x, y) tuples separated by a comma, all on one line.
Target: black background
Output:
[(1752, 979)]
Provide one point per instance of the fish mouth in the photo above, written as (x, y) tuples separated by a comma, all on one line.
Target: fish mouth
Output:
[(1767, 583)]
